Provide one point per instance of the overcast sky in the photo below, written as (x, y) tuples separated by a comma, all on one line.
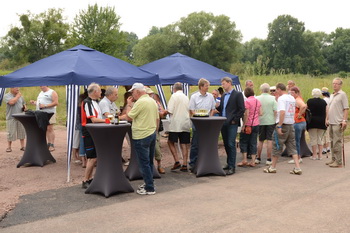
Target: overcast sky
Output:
[(138, 16)]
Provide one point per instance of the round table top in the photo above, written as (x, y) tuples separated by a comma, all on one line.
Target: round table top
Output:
[(104, 125), (210, 118)]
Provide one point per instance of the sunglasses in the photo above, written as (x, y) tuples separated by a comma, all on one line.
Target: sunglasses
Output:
[(272, 90)]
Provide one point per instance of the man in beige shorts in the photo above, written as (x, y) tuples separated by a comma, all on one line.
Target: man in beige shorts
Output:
[(15, 130), (284, 133)]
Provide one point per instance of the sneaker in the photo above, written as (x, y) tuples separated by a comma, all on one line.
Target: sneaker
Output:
[(270, 170), (324, 152), (296, 171), (330, 162), (335, 165), (328, 151), (268, 162), (177, 165), (292, 161), (257, 161), (142, 186), (145, 192)]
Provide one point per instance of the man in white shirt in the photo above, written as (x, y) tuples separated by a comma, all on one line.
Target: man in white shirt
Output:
[(284, 132), (201, 100), (47, 101), (179, 126)]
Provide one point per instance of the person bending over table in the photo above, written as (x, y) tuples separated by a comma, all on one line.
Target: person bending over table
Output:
[(145, 117)]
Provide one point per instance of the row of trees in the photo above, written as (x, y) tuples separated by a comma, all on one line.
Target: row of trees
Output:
[(288, 48)]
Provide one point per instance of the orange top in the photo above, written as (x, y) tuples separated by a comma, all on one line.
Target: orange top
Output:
[(296, 118)]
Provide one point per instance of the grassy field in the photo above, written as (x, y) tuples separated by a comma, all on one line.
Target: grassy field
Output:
[(304, 82)]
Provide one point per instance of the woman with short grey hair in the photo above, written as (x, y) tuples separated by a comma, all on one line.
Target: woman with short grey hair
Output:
[(317, 126)]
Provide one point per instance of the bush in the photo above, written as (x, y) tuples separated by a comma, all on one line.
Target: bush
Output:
[(342, 74)]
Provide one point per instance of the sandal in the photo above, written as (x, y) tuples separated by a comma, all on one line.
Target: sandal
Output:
[(252, 164), (51, 148), (22, 148), (242, 164), (8, 150), (184, 168)]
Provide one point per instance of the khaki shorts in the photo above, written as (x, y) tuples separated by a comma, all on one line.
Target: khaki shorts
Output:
[(316, 136), (287, 139), (53, 119), (15, 130)]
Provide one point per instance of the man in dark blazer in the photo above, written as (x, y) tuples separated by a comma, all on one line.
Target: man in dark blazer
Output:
[(231, 107)]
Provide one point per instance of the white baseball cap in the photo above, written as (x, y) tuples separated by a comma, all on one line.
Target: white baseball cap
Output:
[(137, 86)]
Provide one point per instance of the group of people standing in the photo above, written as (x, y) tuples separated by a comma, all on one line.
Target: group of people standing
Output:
[(280, 118), (276, 116)]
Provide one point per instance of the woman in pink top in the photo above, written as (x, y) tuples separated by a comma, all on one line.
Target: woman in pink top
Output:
[(251, 118)]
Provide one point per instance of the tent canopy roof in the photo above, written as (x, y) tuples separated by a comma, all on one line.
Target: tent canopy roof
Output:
[(181, 68), (81, 66)]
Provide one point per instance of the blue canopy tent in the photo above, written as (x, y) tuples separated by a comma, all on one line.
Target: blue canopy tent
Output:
[(74, 67), (181, 68)]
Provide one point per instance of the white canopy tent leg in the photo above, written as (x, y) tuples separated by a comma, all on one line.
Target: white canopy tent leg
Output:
[(72, 94), (2, 92)]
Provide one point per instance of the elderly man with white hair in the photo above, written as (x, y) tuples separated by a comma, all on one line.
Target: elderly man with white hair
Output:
[(107, 104), (317, 126), (267, 121), (145, 117)]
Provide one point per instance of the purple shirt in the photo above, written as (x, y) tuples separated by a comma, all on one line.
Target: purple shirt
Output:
[(254, 106)]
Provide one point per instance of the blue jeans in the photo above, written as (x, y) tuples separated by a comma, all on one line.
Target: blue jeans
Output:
[(229, 134), (299, 127), (194, 147), (145, 149)]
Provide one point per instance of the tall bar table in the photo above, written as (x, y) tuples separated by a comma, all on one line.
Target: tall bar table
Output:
[(36, 152), (109, 177), (208, 129)]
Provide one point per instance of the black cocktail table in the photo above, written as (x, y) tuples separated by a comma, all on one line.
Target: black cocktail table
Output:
[(208, 129), (36, 152), (109, 178)]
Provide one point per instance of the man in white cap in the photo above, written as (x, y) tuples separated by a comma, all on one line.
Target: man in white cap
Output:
[(145, 117)]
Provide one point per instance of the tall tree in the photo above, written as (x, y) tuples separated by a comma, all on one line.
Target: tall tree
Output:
[(38, 36), (132, 40), (338, 51), (252, 49), (284, 42), (158, 44), (99, 28), (201, 35)]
